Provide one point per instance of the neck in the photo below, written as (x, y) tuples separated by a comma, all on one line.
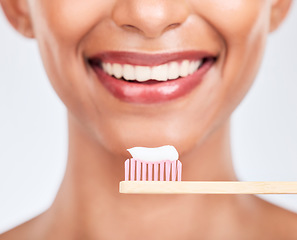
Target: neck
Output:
[(88, 197)]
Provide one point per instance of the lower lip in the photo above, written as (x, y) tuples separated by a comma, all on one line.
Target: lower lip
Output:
[(152, 91)]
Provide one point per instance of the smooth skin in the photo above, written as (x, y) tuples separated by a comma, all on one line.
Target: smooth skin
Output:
[(101, 128)]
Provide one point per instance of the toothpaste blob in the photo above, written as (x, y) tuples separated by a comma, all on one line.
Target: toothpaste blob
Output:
[(153, 155)]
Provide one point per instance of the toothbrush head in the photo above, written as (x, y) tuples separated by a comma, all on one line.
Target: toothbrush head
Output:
[(148, 171), (153, 164), (137, 170)]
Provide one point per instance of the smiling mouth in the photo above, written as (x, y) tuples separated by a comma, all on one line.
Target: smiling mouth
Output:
[(151, 78), (151, 74)]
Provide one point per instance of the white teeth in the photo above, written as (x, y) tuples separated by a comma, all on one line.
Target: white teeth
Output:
[(117, 70), (142, 73), (107, 67), (164, 72), (160, 72), (184, 68), (173, 70), (198, 64), (128, 72), (192, 67)]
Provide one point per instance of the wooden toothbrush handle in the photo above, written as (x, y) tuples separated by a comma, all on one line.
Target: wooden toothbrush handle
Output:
[(202, 187)]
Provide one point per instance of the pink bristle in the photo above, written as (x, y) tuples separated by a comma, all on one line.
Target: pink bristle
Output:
[(132, 170), (173, 174), (150, 172), (156, 171), (162, 171), (144, 171), (127, 170), (138, 170), (179, 170), (168, 163)]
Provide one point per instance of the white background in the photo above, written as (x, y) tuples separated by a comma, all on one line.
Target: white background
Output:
[(33, 128)]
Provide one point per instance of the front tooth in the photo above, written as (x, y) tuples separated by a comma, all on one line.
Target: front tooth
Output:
[(184, 68), (160, 72), (142, 73), (173, 70), (117, 70), (128, 72)]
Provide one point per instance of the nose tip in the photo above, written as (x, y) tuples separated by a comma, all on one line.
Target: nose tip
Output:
[(151, 18)]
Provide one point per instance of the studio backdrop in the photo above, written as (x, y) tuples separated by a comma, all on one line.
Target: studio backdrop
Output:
[(33, 127)]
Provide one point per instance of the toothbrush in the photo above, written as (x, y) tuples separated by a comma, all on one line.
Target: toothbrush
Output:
[(158, 171)]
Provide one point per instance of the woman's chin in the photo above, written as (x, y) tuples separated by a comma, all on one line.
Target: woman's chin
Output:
[(118, 145)]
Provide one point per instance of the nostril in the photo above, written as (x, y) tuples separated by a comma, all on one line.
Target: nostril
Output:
[(131, 28), (172, 26), (147, 32)]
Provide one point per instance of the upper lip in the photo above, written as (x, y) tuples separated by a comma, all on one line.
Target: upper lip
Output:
[(144, 59)]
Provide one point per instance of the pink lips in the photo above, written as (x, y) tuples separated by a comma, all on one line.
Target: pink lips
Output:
[(151, 91)]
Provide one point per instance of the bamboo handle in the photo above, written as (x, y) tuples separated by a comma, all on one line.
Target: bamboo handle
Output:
[(215, 187)]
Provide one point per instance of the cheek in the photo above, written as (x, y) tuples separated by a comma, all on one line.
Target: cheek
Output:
[(233, 18), (60, 26), (244, 26), (68, 20)]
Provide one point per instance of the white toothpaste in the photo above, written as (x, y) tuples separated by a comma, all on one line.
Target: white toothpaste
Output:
[(153, 155)]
